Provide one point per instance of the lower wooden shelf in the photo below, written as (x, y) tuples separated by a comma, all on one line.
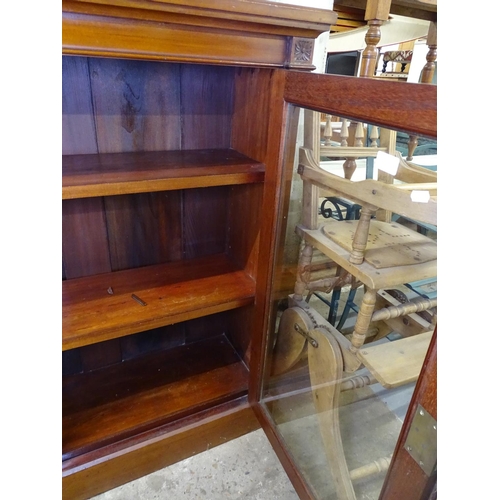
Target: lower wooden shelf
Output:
[(102, 307), (125, 399)]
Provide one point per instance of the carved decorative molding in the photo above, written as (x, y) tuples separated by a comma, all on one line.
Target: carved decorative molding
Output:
[(301, 53)]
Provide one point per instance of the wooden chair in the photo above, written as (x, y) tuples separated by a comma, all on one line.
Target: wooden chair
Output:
[(373, 253), (377, 253)]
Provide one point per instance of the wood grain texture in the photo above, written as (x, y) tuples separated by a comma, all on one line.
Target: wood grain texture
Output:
[(241, 15), (259, 103), (206, 106), (396, 363), (241, 33), (78, 127), (389, 244), (96, 472), (136, 105), (410, 108), (125, 399), (205, 217), (84, 238), (241, 330), (251, 112), (374, 194), (138, 172), (244, 216), (172, 292), (144, 229), (100, 36), (373, 278)]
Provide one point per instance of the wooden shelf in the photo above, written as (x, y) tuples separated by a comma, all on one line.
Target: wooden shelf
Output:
[(173, 292), (108, 174), (107, 405)]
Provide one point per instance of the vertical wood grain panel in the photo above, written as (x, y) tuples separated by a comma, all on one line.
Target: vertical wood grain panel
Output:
[(251, 133), (144, 229), (86, 252), (258, 131), (249, 136), (207, 104), (78, 130), (136, 105), (245, 209), (205, 221), (84, 233), (84, 241), (251, 112)]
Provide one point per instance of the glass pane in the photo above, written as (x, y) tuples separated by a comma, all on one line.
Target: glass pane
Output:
[(348, 338)]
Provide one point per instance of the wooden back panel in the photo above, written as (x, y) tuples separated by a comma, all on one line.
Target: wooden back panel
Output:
[(110, 106)]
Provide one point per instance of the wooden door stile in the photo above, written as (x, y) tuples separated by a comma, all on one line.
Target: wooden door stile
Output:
[(367, 100)]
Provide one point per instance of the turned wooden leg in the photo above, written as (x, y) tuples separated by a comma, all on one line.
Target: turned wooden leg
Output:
[(349, 167), (361, 236), (363, 319), (325, 372), (430, 66), (369, 56), (412, 144)]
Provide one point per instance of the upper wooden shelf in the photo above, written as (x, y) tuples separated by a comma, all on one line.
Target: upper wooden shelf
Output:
[(171, 293), (108, 174)]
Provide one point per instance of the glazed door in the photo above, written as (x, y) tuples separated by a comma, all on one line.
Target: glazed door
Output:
[(349, 357)]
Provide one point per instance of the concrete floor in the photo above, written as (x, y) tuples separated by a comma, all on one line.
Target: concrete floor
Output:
[(246, 467)]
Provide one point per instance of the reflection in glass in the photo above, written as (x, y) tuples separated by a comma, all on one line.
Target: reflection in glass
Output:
[(355, 293)]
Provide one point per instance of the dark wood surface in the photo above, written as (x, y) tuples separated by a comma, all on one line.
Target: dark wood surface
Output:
[(410, 108), (135, 105), (125, 106), (107, 405), (172, 292), (78, 126), (125, 173), (84, 256), (259, 101), (98, 471)]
